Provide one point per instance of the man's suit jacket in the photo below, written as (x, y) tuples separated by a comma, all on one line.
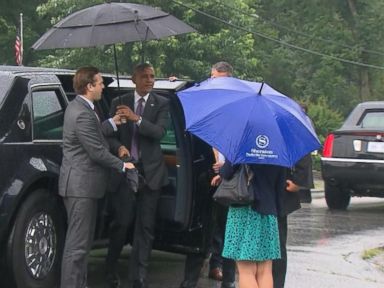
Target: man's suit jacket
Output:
[(151, 130), (86, 158), (301, 175)]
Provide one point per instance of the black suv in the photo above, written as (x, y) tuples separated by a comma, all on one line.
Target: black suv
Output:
[(353, 156), (32, 216)]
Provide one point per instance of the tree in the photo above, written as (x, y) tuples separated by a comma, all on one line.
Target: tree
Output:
[(10, 22), (322, 52), (341, 29)]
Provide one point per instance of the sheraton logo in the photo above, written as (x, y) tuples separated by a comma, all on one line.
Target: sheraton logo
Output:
[(262, 141)]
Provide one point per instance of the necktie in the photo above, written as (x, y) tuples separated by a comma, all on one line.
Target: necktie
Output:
[(97, 116), (135, 134)]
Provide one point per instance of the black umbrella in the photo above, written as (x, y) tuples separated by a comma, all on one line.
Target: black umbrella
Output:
[(111, 23)]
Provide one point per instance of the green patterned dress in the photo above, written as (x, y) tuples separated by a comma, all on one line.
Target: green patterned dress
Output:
[(250, 235)]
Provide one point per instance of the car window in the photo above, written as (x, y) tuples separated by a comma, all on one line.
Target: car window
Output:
[(373, 119), (48, 115), (169, 139), (5, 84)]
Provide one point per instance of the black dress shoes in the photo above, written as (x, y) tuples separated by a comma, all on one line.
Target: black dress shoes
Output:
[(139, 283), (113, 280), (216, 274)]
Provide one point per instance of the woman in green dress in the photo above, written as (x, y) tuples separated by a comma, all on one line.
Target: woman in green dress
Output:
[(251, 234)]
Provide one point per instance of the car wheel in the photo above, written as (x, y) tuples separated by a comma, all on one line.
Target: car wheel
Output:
[(36, 242), (336, 197)]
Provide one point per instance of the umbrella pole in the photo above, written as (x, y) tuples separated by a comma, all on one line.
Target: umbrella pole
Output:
[(261, 87), (143, 45), (117, 72), (142, 51)]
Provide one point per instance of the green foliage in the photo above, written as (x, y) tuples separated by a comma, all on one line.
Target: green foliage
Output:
[(371, 253), (316, 161), (256, 36), (7, 35), (324, 118), (10, 21)]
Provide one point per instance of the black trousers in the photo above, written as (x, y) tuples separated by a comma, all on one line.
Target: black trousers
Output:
[(228, 266), (122, 205), (146, 208), (195, 262), (305, 195), (279, 267)]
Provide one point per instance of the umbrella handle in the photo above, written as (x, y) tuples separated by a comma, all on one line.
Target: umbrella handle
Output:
[(123, 120)]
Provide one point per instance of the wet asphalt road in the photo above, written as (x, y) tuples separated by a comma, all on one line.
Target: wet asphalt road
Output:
[(324, 250)]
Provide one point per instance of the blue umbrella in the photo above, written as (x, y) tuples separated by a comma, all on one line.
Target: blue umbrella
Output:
[(248, 122)]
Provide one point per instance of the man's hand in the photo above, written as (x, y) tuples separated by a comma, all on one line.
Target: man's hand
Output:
[(128, 165), (125, 112), (292, 187), (216, 180), (123, 152), (116, 119), (216, 167)]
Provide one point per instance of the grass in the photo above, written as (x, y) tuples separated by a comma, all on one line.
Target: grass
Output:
[(371, 253)]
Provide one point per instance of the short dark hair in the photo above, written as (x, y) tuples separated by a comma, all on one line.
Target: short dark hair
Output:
[(140, 67), (83, 77), (223, 67)]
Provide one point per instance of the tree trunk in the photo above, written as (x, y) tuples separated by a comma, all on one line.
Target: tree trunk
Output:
[(352, 7), (364, 89)]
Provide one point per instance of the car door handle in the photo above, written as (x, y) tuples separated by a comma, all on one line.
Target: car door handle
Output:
[(200, 159)]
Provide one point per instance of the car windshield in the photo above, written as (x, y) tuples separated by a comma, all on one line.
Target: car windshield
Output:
[(373, 119)]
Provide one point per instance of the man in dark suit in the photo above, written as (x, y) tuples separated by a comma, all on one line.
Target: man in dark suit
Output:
[(146, 114), (220, 268), (83, 174), (121, 205), (298, 177)]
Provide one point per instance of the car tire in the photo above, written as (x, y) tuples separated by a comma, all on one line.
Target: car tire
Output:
[(336, 197), (36, 242)]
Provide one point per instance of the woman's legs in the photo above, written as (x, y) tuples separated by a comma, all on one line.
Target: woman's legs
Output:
[(255, 274), (264, 274), (247, 274)]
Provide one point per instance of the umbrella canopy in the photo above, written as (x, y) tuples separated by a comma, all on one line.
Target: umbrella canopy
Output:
[(111, 23), (248, 122)]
